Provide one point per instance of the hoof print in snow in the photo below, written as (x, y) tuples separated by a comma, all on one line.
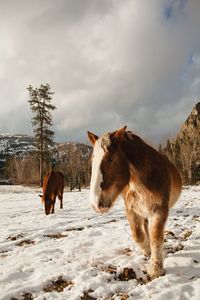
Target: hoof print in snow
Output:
[(195, 261), (58, 285), (15, 237), (174, 248), (196, 218), (125, 251), (169, 233), (55, 235), (25, 243), (23, 296), (4, 254)]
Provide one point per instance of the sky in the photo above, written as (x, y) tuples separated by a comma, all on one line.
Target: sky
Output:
[(110, 63)]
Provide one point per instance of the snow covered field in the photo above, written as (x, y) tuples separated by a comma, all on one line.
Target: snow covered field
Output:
[(78, 254)]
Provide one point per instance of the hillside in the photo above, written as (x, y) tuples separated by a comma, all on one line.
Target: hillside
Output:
[(17, 144), (14, 145), (184, 149), (70, 157)]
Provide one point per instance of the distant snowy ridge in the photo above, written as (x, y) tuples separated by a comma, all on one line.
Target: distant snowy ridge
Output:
[(17, 144), (21, 144)]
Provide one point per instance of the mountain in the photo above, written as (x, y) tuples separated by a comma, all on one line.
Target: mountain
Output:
[(65, 149), (21, 145), (184, 149), (15, 145)]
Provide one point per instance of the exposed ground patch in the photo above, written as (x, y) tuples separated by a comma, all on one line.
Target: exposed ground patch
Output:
[(55, 235), (124, 274), (26, 242), (23, 296), (86, 296), (58, 285)]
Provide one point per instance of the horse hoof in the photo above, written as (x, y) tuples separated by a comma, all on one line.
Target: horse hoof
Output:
[(144, 268), (147, 254), (155, 271)]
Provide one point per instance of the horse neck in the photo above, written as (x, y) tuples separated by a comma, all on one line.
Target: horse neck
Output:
[(141, 159), (135, 150)]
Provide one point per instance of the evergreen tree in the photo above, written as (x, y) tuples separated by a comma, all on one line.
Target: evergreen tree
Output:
[(41, 105)]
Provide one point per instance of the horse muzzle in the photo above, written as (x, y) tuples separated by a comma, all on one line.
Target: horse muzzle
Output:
[(102, 206)]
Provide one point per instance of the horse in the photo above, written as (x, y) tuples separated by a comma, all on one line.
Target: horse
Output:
[(123, 164), (53, 186)]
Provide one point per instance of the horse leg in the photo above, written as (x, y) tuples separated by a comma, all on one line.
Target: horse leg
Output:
[(53, 204), (139, 229), (156, 233), (60, 197)]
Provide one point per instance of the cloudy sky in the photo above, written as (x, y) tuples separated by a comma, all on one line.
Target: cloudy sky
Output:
[(110, 63)]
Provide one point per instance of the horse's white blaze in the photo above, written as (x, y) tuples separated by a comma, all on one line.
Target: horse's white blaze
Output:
[(97, 177)]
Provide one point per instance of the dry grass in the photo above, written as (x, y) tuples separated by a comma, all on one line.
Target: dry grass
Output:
[(23, 296), (174, 248), (184, 235), (58, 285), (86, 296), (56, 235), (125, 251), (26, 242)]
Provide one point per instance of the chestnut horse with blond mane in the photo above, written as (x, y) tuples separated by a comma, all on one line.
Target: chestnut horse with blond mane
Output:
[(122, 163)]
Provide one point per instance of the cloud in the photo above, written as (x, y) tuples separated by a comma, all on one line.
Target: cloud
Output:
[(110, 63)]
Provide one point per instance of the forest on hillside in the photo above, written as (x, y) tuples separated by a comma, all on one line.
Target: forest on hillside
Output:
[(73, 159), (184, 150)]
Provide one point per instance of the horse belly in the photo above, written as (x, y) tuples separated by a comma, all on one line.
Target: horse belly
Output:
[(176, 187)]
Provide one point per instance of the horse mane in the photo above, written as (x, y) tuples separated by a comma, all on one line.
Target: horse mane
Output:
[(131, 144), (106, 141)]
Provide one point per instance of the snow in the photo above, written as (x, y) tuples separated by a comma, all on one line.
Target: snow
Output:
[(89, 251)]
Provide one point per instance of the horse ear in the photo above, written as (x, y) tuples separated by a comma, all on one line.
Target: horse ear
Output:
[(120, 132), (92, 137)]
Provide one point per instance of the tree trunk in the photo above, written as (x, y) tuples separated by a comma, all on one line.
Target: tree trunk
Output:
[(41, 169), (41, 154)]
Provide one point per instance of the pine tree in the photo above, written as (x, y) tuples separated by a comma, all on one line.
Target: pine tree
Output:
[(41, 105)]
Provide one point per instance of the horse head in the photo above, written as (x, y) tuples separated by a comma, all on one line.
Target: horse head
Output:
[(110, 169), (48, 204)]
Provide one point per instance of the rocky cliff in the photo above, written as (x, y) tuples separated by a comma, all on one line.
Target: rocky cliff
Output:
[(184, 149)]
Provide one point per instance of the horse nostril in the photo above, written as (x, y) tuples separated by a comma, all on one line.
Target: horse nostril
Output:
[(100, 205)]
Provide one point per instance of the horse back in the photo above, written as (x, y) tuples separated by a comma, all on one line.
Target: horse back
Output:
[(53, 182)]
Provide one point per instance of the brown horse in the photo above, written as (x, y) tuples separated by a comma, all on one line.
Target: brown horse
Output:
[(53, 186), (124, 164)]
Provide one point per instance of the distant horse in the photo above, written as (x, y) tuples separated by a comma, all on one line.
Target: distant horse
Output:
[(53, 186), (122, 163)]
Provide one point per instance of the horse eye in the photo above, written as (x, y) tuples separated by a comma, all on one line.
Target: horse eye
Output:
[(110, 159)]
